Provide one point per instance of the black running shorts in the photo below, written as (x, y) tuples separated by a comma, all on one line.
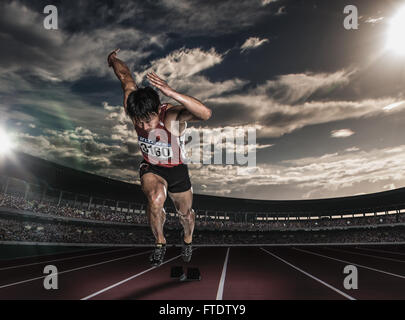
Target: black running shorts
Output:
[(177, 177)]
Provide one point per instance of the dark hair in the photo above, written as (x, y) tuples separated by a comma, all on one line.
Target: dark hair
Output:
[(142, 102)]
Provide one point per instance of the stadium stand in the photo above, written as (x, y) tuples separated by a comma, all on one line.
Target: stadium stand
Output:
[(54, 199)]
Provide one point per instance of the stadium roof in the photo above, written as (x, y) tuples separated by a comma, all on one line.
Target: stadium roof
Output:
[(39, 171)]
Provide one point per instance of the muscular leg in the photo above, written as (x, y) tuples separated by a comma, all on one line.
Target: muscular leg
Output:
[(155, 188), (183, 202)]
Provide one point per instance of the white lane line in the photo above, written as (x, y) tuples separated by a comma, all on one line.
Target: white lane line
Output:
[(352, 263), (311, 276), (128, 279), (75, 269), (382, 251), (62, 259), (365, 255), (220, 291)]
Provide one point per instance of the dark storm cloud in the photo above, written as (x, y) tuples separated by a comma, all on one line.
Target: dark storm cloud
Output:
[(280, 93), (78, 147), (132, 147), (56, 55), (283, 120), (125, 161), (78, 162), (91, 147), (194, 17), (25, 38), (94, 89), (44, 119), (229, 114)]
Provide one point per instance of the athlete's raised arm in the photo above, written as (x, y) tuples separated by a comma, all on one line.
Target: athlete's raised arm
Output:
[(123, 74), (190, 109)]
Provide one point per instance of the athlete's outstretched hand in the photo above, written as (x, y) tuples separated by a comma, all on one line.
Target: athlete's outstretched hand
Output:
[(160, 84), (112, 56)]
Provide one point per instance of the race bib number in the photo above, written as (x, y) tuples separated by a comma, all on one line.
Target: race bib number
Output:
[(156, 149)]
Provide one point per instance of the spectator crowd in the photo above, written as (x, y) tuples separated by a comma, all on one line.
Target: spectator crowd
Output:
[(67, 232), (108, 214)]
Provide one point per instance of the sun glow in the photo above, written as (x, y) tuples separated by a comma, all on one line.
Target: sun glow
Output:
[(396, 33), (5, 142)]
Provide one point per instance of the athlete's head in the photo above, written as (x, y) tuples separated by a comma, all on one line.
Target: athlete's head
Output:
[(143, 108)]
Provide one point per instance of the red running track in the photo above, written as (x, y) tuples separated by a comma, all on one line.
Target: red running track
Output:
[(228, 273)]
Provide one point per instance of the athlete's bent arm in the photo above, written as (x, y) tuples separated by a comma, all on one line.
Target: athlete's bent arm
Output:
[(123, 74), (191, 109)]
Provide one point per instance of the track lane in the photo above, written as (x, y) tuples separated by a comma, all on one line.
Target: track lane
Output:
[(389, 265), (388, 252), (255, 275), (60, 259), (157, 284), (31, 271), (371, 284), (50, 256), (78, 283)]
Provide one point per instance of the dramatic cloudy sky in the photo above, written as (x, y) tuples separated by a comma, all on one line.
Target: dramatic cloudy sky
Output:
[(327, 104)]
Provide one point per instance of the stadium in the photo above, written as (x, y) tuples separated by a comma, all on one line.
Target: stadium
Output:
[(91, 225)]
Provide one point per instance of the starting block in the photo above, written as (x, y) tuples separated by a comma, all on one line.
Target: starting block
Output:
[(176, 272), (193, 274)]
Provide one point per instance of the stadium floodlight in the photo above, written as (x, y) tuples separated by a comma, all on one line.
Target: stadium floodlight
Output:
[(5, 142), (396, 32)]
